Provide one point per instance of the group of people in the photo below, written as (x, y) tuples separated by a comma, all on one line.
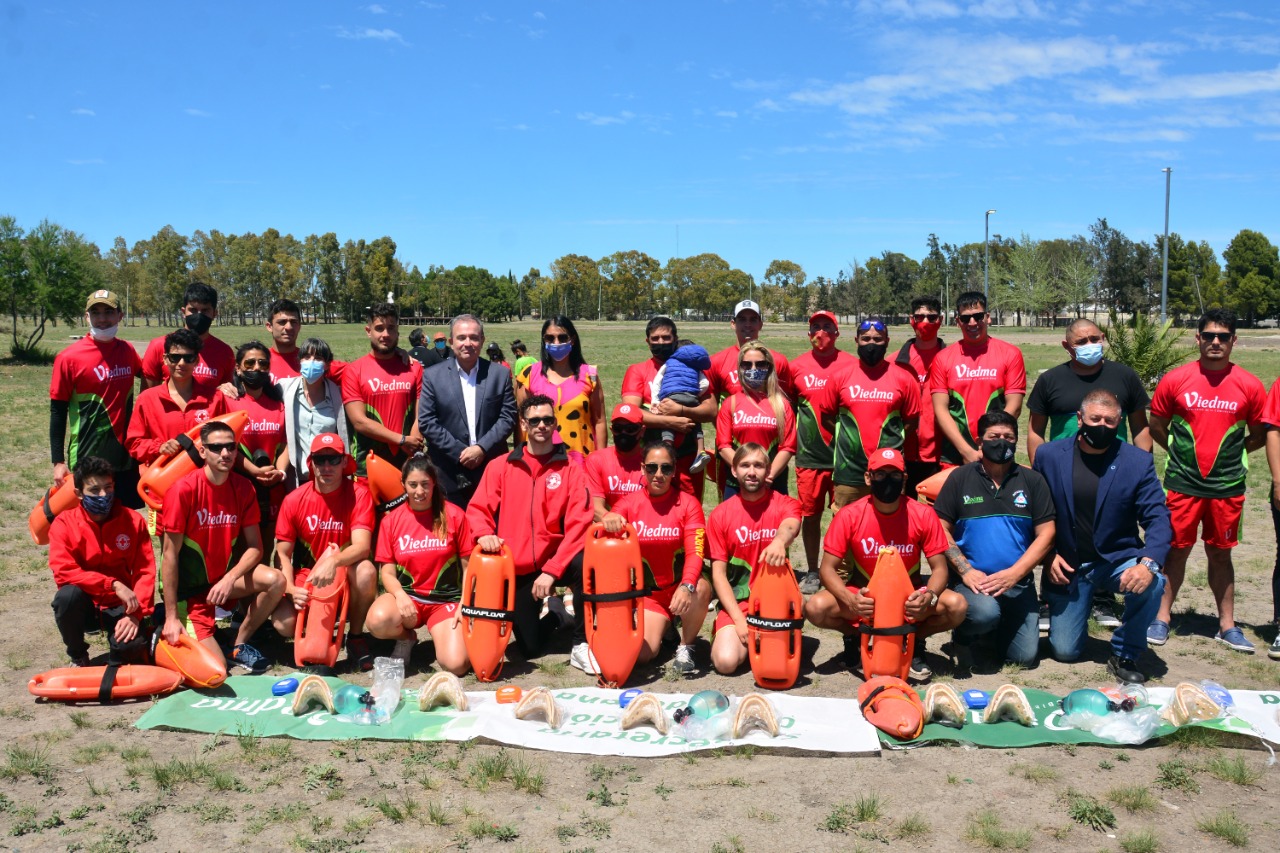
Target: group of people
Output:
[(523, 458)]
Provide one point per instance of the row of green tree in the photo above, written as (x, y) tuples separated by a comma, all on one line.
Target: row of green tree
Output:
[(45, 272)]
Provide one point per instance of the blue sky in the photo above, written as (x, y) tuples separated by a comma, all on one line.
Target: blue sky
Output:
[(505, 135)]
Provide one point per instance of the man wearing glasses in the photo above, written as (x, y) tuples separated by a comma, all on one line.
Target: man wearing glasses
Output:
[(166, 411), (1208, 416), (206, 514), (535, 501), (217, 360), (917, 355), (980, 374), (871, 404)]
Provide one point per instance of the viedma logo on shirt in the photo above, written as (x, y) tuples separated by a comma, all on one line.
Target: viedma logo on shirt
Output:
[(972, 499)]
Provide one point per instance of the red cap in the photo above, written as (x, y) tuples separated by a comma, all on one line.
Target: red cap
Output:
[(627, 413), (331, 442), (884, 458), (824, 314)]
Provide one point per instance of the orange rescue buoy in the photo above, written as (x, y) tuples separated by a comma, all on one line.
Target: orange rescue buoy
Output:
[(487, 606), (775, 621), (156, 479), (198, 666), (889, 641), (384, 483), (891, 706), (103, 683), (928, 488), (612, 592), (318, 629), (55, 501)]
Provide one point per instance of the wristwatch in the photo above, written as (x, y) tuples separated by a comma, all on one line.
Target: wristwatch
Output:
[(692, 589), (933, 598), (1152, 565)]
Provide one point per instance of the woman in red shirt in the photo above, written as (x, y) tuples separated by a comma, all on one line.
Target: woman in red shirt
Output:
[(423, 546), (758, 414), (166, 411), (672, 529), (262, 444)]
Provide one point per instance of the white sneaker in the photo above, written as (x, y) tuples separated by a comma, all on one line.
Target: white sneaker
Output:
[(683, 663), (403, 649), (581, 657)]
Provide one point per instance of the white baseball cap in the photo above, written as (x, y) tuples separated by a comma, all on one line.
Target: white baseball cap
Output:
[(746, 305)]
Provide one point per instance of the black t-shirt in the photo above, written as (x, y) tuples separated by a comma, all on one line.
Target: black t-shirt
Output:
[(1086, 471), (1059, 392)]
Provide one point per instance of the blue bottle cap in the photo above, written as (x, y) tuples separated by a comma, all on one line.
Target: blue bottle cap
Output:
[(284, 687), (977, 699), (626, 697)]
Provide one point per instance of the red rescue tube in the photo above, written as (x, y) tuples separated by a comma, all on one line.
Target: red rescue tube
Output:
[(318, 629), (612, 591), (85, 683), (384, 483), (889, 641), (198, 666), (891, 706), (156, 479), (928, 488), (487, 606), (55, 501), (775, 624)]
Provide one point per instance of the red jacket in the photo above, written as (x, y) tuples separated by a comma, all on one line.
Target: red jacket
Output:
[(156, 418), (93, 557), (542, 512)]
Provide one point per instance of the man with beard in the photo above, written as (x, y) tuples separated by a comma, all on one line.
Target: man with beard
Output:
[(1103, 489), (755, 524), (616, 471), (217, 362), (884, 519), (379, 393), (813, 372), (871, 404), (917, 355), (979, 374)]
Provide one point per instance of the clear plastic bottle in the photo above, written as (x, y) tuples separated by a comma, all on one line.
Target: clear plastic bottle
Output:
[(704, 705)]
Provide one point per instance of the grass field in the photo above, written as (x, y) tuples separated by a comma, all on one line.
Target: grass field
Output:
[(83, 779)]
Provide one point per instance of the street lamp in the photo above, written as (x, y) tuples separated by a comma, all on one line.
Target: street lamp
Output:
[(986, 247), (1164, 276)]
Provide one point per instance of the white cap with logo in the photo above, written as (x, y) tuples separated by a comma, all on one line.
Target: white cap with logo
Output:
[(746, 305)]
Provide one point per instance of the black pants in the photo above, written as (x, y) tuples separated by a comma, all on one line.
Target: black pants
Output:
[(74, 611), (534, 632)]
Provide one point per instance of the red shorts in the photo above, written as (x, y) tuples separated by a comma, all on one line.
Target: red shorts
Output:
[(814, 488), (432, 613), (1221, 518), (658, 602), (724, 620), (198, 615), (300, 576)]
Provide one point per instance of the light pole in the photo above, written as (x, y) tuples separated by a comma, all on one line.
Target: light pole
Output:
[(1164, 276), (986, 248)]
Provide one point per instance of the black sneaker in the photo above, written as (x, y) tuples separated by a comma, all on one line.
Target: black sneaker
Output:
[(247, 657), (919, 671), (360, 652), (82, 660), (1043, 620), (852, 651), (810, 583), (1105, 615), (1125, 669)]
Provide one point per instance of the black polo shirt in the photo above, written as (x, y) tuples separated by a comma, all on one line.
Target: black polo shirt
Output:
[(994, 527)]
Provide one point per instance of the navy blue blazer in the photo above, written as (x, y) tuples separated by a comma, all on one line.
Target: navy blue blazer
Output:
[(442, 419), (1129, 495)]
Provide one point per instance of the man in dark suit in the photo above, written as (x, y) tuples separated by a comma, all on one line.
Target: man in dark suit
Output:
[(1103, 490), (466, 411)]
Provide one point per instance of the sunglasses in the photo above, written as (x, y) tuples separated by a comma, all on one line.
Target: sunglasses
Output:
[(652, 468), (183, 357), (878, 325), (966, 319), (1209, 337), (755, 365), (328, 460), (219, 449), (556, 339), (926, 318), (256, 362), (545, 420)]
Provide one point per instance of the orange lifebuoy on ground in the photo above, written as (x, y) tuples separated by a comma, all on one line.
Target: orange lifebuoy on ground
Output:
[(55, 501), (103, 683), (891, 706), (889, 641), (318, 629), (156, 479), (198, 666), (928, 488), (612, 592), (487, 606), (384, 483), (775, 622)]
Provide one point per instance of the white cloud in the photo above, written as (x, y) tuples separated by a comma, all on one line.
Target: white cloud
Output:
[(1142, 135), (96, 161), (910, 8), (82, 111), (370, 33), (375, 9), (195, 113), (540, 16), (726, 114), (1005, 9), (1226, 84), (600, 121)]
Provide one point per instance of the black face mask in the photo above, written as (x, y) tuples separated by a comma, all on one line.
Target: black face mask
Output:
[(254, 379), (886, 490), (999, 450), (198, 323), (872, 354), (1099, 436), (626, 441), (662, 352)]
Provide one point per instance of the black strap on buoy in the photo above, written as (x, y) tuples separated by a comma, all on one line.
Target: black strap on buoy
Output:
[(108, 683), (391, 504), (762, 624), (900, 631), (602, 597), (190, 447), (44, 505)]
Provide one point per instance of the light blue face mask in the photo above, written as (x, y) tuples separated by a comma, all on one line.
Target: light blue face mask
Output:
[(311, 369), (1089, 354)]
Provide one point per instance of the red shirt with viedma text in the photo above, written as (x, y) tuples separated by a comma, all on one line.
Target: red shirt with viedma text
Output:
[(210, 520)]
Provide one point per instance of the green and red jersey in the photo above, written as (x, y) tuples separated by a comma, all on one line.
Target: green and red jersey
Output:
[(738, 531), (671, 529), (95, 380), (922, 444), (216, 364), (210, 520), (859, 531), (428, 566), (388, 388), (812, 374), (1209, 414), (976, 379), (874, 407), (313, 521)]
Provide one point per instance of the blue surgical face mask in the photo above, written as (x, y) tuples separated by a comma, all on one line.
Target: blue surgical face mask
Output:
[(1089, 354), (754, 378), (557, 351), (311, 369), (98, 504)]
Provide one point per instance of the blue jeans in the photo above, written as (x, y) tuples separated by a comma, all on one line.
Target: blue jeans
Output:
[(1069, 608), (1013, 616)]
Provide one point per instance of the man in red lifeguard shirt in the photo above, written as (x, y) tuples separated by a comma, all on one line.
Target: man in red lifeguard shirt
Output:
[(616, 471), (205, 513), (284, 322), (324, 524), (380, 394), (917, 356), (105, 569), (217, 360), (723, 374)]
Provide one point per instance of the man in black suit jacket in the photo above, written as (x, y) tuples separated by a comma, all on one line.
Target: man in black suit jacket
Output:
[(466, 411)]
